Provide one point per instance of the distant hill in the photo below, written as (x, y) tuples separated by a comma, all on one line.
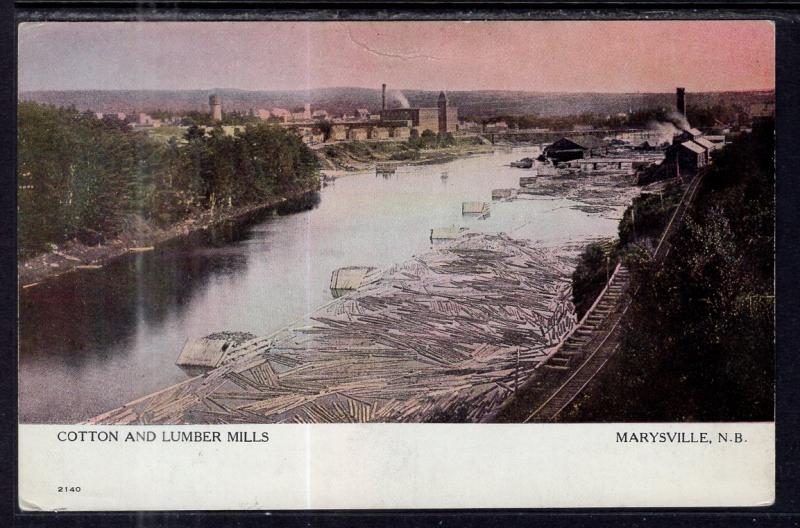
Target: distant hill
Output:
[(482, 103)]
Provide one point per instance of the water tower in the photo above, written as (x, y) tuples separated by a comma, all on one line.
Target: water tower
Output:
[(215, 107)]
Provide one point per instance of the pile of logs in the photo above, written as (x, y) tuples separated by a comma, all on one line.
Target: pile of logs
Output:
[(446, 336)]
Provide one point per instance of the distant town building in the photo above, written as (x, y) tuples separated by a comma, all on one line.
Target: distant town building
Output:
[(260, 113), (302, 114), (319, 115), (362, 113), (500, 126), (469, 126), (229, 130), (281, 114), (144, 120)]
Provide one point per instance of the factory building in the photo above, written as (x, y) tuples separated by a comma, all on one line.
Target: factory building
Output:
[(421, 118), (442, 118), (690, 151), (357, 134), (338, 133), (685, 158), (401, 133), (379, 133)]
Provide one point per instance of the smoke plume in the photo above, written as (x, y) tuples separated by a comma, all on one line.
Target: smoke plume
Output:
[(679, 120), (398, 96), (665, 130)]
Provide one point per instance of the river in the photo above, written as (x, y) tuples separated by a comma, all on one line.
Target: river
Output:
[(94, 340)]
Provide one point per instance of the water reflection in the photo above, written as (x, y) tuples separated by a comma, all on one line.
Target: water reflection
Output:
[(95, 340)]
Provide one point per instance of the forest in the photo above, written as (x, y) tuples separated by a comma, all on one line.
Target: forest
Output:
[(705, 117), (698, 339), (87, 178)]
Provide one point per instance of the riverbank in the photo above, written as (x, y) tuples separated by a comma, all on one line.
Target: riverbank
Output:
[(141, 236), (353, 156)]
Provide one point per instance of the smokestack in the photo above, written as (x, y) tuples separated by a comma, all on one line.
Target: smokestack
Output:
[(383, 97), (681, 101)]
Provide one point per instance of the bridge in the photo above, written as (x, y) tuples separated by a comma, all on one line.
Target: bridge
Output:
[(544, 136)]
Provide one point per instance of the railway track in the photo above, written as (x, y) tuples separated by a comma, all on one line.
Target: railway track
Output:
[(597, 340), (586, 351)]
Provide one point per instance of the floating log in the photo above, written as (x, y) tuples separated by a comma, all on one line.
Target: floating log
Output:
[(446, 233), (443, 336), (474, 208), (203, 354), (350, 278), (503, 194)]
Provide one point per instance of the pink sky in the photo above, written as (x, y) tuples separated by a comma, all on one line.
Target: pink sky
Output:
[(552, 56)]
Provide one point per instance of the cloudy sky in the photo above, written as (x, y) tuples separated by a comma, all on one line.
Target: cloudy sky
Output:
[(553, 56)]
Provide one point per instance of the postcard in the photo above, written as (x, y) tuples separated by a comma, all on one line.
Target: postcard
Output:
[(395, 264)]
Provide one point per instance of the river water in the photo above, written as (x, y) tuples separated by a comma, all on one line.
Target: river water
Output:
[(94, 340)]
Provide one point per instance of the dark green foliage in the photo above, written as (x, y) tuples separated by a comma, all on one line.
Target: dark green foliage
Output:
[(432, 140), (648, 214), (699, 115), (326, 127), (590, 276), (697, 342), (644, 219), (228, 118), (78, 174), (711, 116)]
